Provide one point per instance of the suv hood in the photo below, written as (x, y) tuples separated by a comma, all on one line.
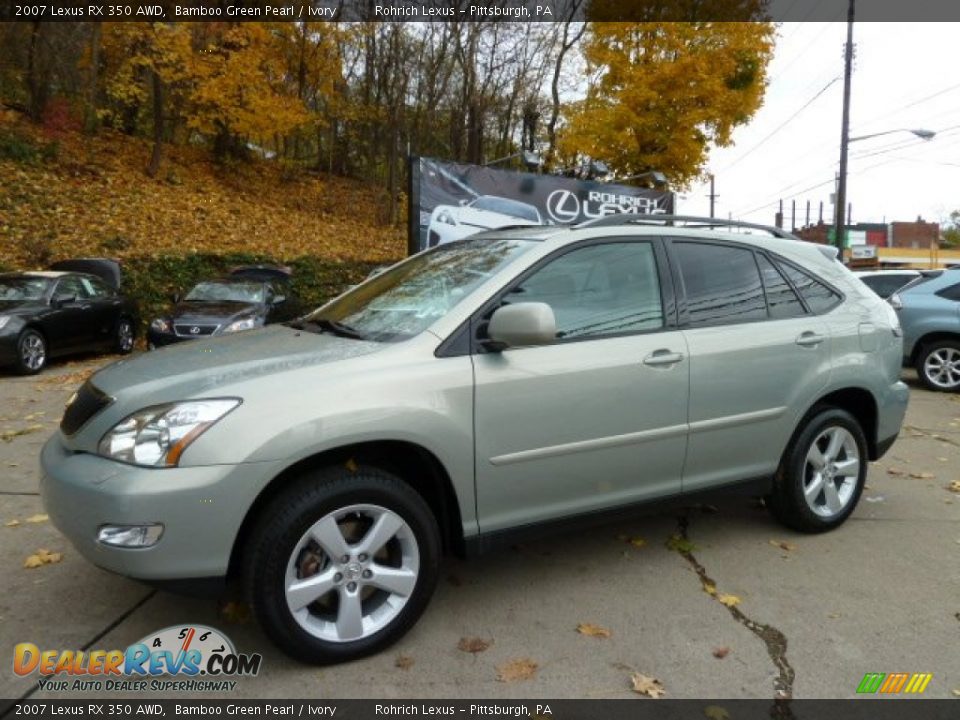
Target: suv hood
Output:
[(200, 367)]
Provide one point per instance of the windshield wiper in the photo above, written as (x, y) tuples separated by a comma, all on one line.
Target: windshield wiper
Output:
[(334, 326)]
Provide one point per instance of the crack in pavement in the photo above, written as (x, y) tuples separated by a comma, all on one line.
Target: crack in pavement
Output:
[(774, 640)]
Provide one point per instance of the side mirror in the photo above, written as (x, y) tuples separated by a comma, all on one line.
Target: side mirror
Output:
[(522, 324), (60, 300)]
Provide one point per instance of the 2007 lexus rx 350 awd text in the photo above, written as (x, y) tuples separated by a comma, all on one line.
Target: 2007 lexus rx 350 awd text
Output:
[(514, 379)]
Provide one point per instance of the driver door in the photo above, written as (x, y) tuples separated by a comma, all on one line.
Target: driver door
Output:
[(70, 325), (599, 417)]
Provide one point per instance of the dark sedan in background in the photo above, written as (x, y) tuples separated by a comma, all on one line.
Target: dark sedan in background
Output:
[(248, 298), (53, 313)]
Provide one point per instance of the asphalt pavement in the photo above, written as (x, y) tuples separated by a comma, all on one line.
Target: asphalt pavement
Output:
[(713, 601)]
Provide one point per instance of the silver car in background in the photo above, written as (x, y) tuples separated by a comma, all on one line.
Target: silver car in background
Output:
[(517, 379)]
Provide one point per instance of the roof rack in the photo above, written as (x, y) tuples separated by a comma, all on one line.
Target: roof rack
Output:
[(690, 221)]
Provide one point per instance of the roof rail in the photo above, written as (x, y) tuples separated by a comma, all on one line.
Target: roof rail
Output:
[(688, 220)]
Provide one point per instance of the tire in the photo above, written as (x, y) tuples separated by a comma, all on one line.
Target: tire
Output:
[(938, 366), (123, 336), (32, 352), (802, 498), (339, 508)]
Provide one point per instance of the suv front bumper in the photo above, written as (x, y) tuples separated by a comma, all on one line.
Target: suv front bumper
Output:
[(201, 510)]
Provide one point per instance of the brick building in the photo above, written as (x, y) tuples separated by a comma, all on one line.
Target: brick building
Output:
[(919, 234)]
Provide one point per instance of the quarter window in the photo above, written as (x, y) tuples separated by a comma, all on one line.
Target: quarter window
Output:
[(782, 301), (819, 297), (599, 290), (722, 283), (950, 293)]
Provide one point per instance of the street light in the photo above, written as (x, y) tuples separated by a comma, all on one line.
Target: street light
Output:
[(657, 177), (919, 132), (531, 160)]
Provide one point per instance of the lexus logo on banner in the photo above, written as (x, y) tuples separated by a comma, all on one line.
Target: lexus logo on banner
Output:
[(563, 206), (451, 201)]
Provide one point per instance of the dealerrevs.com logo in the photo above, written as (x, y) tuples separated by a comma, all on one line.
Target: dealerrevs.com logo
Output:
[(186, 658)]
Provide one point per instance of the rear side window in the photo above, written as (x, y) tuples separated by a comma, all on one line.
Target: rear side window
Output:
[(722, 283), (950, 293), (819, 297), (781, 299)]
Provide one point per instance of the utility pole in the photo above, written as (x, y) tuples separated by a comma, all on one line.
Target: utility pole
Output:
[(841, 199), (713, 197)]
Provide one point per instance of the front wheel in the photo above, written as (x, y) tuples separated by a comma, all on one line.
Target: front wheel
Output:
[(822, 473), (342, 564), (31, 352), (938, 366), (123, 338)]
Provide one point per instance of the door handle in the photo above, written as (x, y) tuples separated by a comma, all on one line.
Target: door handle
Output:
[(810, 339), (662, 357)]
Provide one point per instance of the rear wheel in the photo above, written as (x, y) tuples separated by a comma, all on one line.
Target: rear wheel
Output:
[(123, 337), (822, 473), (938, 366), (31, 352), (342, 564)]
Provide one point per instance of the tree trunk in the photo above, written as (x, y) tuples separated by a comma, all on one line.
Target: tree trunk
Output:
[(157, 156), (35, 83), (90, 112)]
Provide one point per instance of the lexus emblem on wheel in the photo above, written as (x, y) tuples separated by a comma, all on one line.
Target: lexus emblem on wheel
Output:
[(563, 206), (194, 330)]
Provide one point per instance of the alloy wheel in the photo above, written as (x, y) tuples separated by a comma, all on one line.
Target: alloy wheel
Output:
[(125, 336), (351, 573), (831, 471), (942, 368), (33, 351)]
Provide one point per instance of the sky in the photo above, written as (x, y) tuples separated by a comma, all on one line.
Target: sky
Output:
[(905, 77)]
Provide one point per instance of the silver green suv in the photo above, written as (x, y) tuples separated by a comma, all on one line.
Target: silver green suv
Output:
[(518, 378)]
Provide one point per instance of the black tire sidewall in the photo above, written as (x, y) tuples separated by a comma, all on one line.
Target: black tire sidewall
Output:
[(21, 367), (788, 502), (925, 352), (287, 518)]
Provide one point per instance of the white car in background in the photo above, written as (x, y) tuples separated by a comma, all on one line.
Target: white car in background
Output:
[(484, 212)]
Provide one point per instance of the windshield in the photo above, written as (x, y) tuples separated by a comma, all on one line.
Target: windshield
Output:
[(25, 288), (505, 206), (408, 298), (226, 292)]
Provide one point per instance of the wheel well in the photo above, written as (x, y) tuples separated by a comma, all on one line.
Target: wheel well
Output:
[(859, 403), (930, 338), (413, 464)]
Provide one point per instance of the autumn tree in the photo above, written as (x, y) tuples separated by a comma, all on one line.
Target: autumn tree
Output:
[(660, 94)]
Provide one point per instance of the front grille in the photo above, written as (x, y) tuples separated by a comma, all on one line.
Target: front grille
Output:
[(88, 402), (195, 330)]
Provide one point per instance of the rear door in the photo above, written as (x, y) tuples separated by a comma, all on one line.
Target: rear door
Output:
[(105, 307), (597, 418), (757, 356)]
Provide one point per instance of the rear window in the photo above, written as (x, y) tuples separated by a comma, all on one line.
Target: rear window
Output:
[(950, 293), (818, 297)]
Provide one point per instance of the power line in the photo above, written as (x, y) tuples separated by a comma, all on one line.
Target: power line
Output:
[(781, 125)]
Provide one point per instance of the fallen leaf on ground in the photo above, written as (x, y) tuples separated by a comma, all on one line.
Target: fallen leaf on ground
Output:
[(943, 459), (956, 691), (721, 652), (783, 545), (473, 644), (954, 486), (520, 669), (922, 475), (709, 588), (638, 542), (728, 600), (833, 616), (42, 557), (643, 685), (9, 435), (38, 518), (715, 712), (11, 523), (404, 662), (680, 544), (235, 612), (593, 630), (894, 471)]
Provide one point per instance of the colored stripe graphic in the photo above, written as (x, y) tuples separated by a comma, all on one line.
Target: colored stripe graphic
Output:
[(893, 683), (871, 682)]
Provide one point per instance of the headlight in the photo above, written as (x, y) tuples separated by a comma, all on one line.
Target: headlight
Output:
[(238, 325), (444, 216), (158, 435), (4, 319), (160, 325)]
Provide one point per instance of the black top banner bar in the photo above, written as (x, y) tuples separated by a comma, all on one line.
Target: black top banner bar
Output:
[(476, 10)]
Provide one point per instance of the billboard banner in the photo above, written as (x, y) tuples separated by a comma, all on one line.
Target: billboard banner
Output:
[(450, 201)]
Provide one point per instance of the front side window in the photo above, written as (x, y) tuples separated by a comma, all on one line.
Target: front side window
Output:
[(598, 290), (819, 297), (405, 300), (94, 288), (722, 283), (71, 286)]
